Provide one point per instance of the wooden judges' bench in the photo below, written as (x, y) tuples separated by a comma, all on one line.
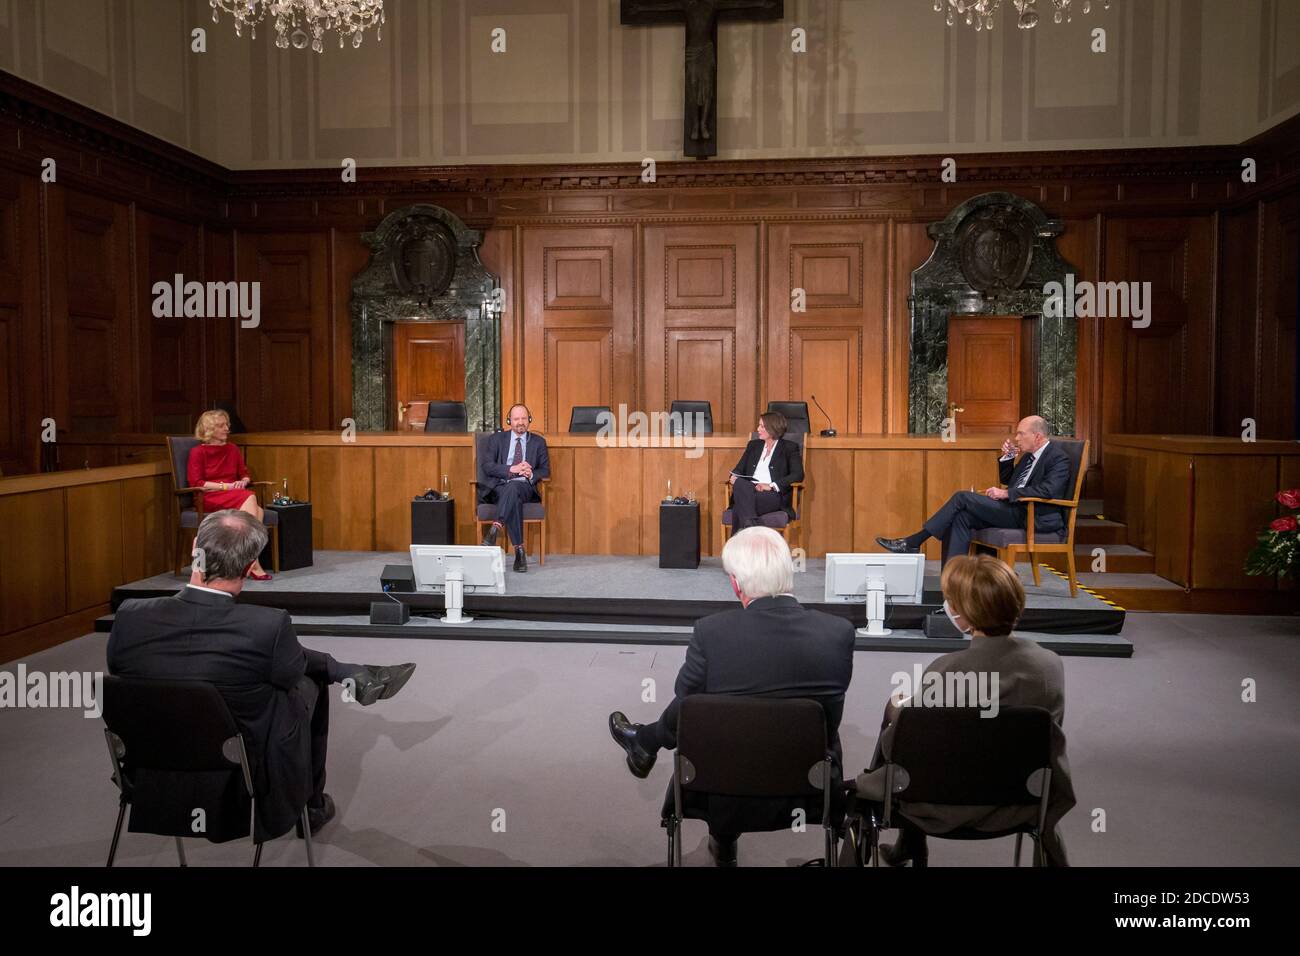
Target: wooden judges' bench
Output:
[(599, 500)]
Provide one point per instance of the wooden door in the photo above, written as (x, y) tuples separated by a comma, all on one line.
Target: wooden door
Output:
[(428, 365), (984, 373)]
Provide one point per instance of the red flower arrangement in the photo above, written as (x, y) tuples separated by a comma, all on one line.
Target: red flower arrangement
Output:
[(1278, 550)]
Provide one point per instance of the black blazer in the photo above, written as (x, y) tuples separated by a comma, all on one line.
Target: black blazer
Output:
[(494, 468), (1049, 479), (253, 657), (786, 466), (773, 648)]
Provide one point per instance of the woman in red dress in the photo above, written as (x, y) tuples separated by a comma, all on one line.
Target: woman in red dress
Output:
[(218, 468)]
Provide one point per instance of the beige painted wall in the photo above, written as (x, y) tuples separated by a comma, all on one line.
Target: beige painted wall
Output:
[(881, 77)]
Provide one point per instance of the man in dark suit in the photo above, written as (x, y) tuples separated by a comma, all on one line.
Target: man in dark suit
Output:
[(1043, 471), (771, 647), (515, 461), (276, 690)]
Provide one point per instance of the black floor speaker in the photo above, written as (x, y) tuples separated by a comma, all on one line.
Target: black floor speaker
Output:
[(390, 611)]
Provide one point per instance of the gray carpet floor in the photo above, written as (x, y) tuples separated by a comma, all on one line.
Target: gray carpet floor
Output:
[(1170, 766), (615, 576)]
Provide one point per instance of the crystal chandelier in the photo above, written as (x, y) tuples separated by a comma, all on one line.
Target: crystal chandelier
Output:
[(980, 13), (299, 22)]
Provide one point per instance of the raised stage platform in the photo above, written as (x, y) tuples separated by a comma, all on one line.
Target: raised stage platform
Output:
[(624, 599)]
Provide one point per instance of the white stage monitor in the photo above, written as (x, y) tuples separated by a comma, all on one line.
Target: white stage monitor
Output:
[(847, 576), (482, 566)]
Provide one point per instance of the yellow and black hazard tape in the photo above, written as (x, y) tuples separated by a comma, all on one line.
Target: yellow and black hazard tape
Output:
[(1082, 587)]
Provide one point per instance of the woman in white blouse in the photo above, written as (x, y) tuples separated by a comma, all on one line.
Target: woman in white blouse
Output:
[(760, 482)]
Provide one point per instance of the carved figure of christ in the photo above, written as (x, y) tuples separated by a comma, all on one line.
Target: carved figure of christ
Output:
[(701, 20)]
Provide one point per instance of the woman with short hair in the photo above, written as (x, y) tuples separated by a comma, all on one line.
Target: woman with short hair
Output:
[(984, 599), (770, 464), (218, 468)]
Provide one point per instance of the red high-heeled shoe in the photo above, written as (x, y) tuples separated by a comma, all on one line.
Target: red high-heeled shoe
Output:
[(259, 577)]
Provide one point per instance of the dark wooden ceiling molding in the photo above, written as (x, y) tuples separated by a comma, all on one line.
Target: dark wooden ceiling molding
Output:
[(36, 108)]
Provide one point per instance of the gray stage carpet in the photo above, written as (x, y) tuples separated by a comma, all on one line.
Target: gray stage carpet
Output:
[(605, 576)]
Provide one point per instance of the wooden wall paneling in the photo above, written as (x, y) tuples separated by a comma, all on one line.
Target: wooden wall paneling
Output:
[(661, 465), (837, 347), (400, 475), (608, 500), (1277, 318), (219, 352), (888, 495), (457, 463), (278, 462), (148, 527), (33, 562), (1166, 367), (558, 494), (1236, 375), (948, 471), (94, 543), (284, 364), (828, 514), (21, 354), (700, 311), (343, 498), (170, 348), (579, 321), (1170, 512), (94, 354), (1227, 526)]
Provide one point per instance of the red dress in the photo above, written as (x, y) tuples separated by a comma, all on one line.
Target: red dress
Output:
[(218, 463)]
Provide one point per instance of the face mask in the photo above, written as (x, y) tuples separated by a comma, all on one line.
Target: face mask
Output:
[(947, 609)]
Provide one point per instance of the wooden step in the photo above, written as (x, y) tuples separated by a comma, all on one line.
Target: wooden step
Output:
[(1150, 592), (1094, 531), (1120, 558)]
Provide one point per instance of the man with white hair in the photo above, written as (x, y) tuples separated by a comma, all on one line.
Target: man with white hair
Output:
[(1043, 471), (771, 647)]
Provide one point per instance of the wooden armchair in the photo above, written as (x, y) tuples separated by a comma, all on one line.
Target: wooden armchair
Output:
[(189, 504), (486, 512), (1011, 542)]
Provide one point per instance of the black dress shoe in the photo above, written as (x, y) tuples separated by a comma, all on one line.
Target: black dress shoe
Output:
[(380, 683), (723, 853), (896, 545), (490, 539), (318, 816), (521, 560), (639, 760)]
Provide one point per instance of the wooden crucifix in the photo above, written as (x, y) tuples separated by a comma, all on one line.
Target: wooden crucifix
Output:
[(700, 121)]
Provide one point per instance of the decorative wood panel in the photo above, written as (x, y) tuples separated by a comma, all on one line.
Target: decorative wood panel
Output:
[(702, 320), (819, 345), (285, 363), (171, 349), (578, 321), (342, 496)]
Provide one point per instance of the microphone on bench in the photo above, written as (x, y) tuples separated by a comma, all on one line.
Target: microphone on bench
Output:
[(825, 432)]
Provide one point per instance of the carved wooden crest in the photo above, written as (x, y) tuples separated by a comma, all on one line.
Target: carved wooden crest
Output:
[(995, 246)]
